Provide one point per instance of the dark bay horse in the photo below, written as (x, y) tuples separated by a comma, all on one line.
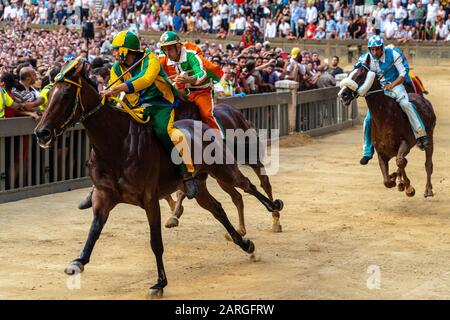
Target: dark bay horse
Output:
[(229, 118), (128, 165), (392, 135)]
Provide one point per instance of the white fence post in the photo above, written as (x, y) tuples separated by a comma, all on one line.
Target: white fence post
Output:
[(291, 86)]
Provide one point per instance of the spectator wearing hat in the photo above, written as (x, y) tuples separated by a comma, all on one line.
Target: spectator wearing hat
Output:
[(291, 69)]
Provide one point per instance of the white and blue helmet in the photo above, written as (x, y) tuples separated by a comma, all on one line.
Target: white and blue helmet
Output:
[(375, 41)]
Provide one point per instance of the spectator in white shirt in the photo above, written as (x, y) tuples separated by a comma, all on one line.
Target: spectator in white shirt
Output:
[(400, 14), (216, 22), (311, 13), (432, 9), (240, 24), (441, 31), (42, 15), (410, 9), (390, 27), (283, 29), (401, 34), (196, 6), (271, 29), (204, 25)]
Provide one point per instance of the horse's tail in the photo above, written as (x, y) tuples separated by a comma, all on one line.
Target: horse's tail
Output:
[(252, 146)]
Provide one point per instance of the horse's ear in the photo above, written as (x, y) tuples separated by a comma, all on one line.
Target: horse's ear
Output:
[(79, 69), (368, 60)]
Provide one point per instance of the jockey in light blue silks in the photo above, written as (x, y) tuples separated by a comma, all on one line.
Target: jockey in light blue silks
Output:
[(390, 64)]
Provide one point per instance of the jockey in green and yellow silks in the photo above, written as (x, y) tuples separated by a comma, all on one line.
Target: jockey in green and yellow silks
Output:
[(147, 85)]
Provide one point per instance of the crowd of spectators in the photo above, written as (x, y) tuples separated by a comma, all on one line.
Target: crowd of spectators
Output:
[(29, 57), (256, 68), (251, 66), (306, 19)]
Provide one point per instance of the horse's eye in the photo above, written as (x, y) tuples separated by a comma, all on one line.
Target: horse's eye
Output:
[(65, 95)]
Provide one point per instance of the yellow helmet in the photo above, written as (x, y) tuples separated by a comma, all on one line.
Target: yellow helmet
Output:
[(126, 41)]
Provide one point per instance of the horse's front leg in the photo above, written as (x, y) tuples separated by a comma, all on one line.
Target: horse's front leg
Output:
[(401, 161), (153, 212), (102, 205), (388, 180)]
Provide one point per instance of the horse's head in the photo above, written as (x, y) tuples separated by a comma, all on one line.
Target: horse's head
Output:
[(358, 82), (65, 106)]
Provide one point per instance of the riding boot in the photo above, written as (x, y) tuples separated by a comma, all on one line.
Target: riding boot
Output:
[(190, 185), (365, 160), (423, 142), (86, 203)]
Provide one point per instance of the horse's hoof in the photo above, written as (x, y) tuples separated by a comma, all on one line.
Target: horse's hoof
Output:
[(155, 293), (390, 184), (410, 192), (172, 222), (428, 193), (278, 205), (254, 257), (401, 187), (251, 247), (75, 267), (276, 228)]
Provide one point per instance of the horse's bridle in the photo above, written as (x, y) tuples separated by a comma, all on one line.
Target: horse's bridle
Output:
[(71, 121), (355, 94)]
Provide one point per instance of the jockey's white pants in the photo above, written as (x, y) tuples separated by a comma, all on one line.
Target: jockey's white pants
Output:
[(414, 119)]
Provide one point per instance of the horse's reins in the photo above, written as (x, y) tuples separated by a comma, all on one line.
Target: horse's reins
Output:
[(78, 101), (128, 70), (70, 122)]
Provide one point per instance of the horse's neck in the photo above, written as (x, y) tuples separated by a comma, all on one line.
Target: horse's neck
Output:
[(107, 129), (380, 107)]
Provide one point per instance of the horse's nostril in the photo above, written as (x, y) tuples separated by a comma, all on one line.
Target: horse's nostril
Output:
[(44, 133)]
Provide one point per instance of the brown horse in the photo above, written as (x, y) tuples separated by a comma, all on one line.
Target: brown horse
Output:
[(229, 118), (392, 135), (128, 165)]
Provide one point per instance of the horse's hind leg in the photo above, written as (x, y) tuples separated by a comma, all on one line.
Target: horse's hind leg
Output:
[(236, 197), (388, 180), (102, 205), (429, 168), (208, 202), (172, 203), (177, 210), (245, 184), (265, 184), (401, 161), (400, 182)]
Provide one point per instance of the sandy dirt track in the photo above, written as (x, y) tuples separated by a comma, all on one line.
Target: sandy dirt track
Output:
[(338, 220)]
